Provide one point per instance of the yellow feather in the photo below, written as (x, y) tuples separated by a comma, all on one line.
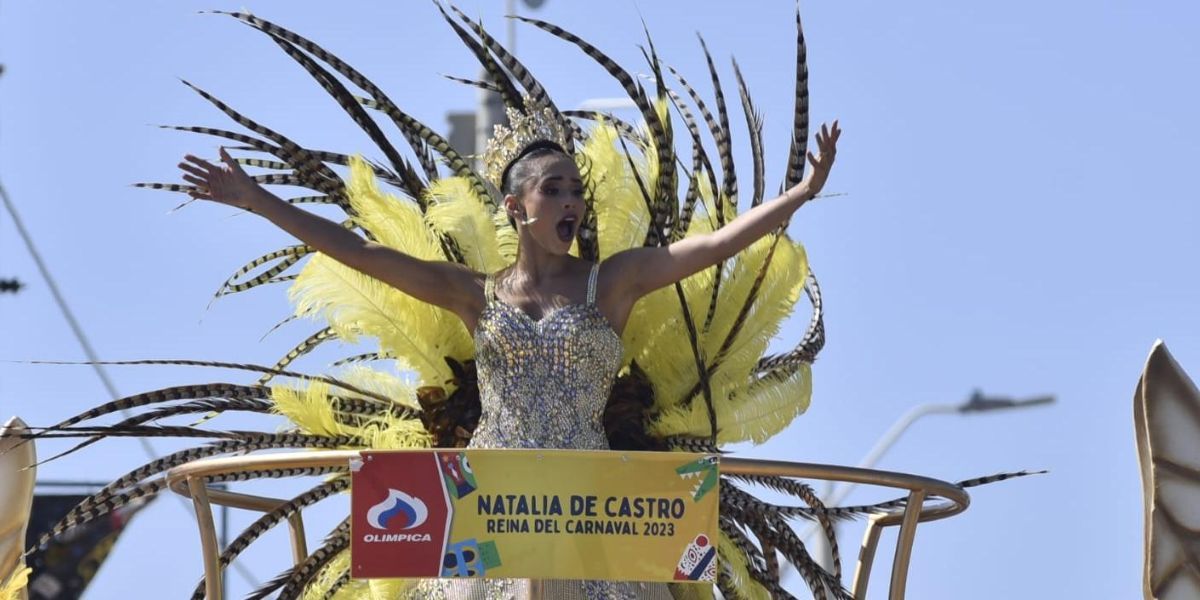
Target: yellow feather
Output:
[(387, 432), (418, 334), (661, 341), (656, 337), (311, 410), (506, 236), (455, 210), (745, 410), (325, 579), (658, 332), (621, 214), (390, 433), (657, 318), (734, 562), (13, 584), (308, 407), (691, 591), (395, 222), (663, 108), (755, 414), (768, 407), (774, 302), (382, 383), (705, 209), (777, 295), (389, 589)]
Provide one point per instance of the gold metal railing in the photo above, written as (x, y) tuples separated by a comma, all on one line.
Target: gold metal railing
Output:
[(928, 500)]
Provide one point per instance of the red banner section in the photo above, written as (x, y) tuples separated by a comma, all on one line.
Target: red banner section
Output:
[(400, 515)]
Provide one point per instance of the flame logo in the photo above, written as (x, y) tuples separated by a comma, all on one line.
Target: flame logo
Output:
[(409, 511)]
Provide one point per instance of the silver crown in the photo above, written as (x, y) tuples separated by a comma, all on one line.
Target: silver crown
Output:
[(537, 124)]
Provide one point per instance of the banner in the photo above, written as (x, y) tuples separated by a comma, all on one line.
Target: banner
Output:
[(541, 514), (63, 568)]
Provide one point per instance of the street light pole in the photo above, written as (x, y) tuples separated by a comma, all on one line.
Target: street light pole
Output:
[(489, 111), (976, 403), (510, 11)]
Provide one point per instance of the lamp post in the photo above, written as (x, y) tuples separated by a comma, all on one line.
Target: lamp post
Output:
[(832, 494), (490, 110)]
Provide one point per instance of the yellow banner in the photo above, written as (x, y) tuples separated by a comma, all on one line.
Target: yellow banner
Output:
[(564, 514)]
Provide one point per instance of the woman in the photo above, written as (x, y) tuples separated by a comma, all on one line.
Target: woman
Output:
[(529, 316)]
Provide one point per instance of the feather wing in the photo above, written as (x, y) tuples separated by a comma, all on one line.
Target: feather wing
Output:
[(353, 304)]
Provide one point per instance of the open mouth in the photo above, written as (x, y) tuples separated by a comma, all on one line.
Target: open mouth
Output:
[(566, 228)]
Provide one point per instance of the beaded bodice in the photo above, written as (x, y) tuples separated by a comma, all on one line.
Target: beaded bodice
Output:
[(544, 383)]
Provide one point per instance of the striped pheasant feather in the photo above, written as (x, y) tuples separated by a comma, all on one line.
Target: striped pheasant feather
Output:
[(308, 345), (533, 88), (292, 580), (754, 123), (508, 92), (412, 183), (658, 131), (799, 146), (309, 170)]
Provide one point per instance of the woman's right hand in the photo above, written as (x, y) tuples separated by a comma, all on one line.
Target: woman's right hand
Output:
[(227, 184)]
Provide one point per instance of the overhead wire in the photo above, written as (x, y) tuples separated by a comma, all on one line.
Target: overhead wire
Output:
[(88, 350)]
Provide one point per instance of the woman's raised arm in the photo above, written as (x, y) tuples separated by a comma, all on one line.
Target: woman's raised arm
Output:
[(448, 285), (637, 272)]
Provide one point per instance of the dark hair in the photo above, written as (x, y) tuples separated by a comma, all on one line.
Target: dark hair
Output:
[(519, 169)]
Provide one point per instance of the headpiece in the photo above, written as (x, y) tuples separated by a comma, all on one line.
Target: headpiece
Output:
[(536, 124)]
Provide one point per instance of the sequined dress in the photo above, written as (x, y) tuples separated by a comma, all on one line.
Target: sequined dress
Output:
[(543, 384)]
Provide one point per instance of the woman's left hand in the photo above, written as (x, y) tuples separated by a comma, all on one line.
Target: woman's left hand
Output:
[(821, 163)]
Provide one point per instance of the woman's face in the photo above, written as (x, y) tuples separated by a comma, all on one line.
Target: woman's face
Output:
[(551, 202)]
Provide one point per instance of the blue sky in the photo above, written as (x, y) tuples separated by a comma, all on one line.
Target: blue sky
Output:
[(1020, 218)]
